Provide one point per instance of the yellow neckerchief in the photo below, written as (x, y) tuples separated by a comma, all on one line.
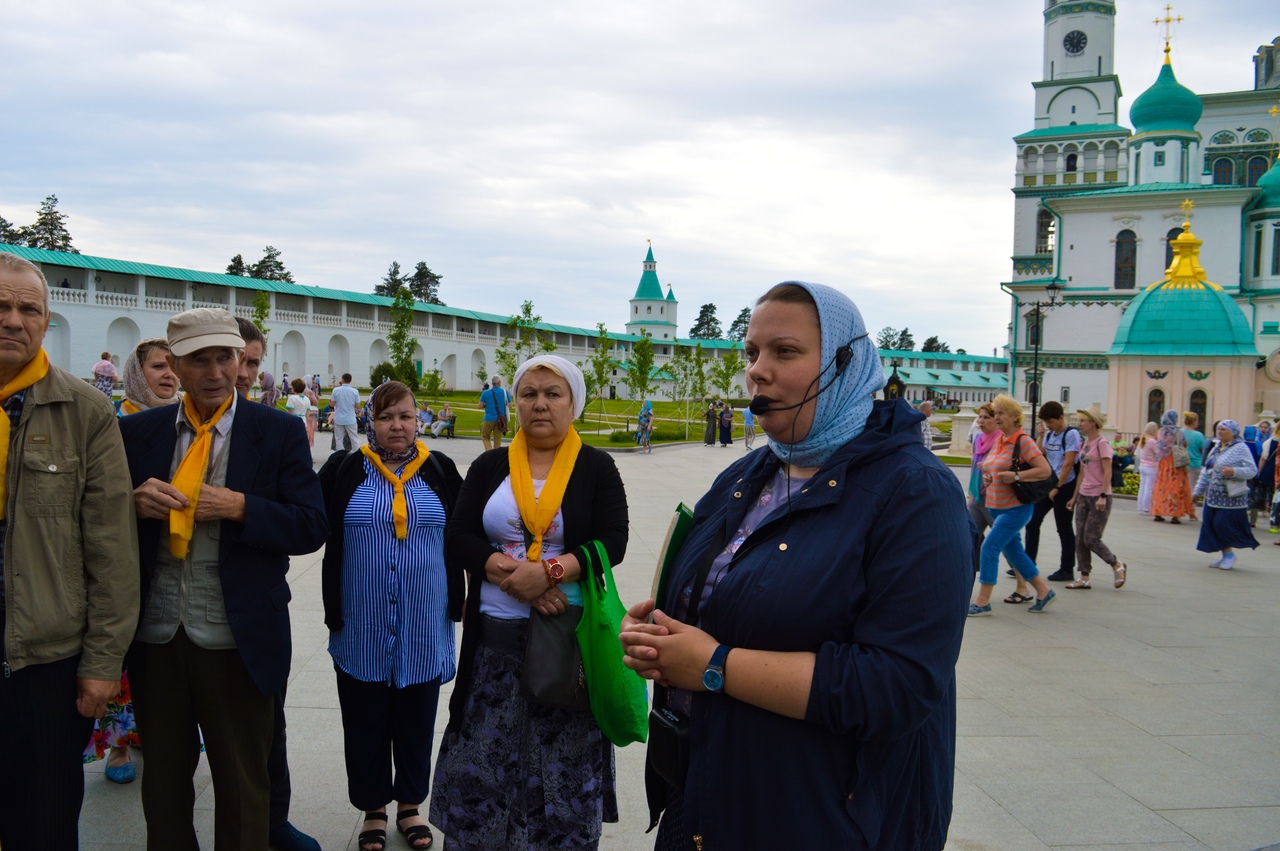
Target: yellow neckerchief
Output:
[(537, 511), (399, 505), (128, 407), (191, 472), (36, 369)]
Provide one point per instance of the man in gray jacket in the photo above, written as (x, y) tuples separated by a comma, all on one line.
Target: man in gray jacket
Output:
[(69, 598)]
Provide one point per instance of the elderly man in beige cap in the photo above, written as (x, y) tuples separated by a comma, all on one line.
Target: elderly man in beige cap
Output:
[(225, 493), (69, 584)]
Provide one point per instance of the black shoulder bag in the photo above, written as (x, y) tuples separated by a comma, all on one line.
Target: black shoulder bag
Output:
[(1029, 493)]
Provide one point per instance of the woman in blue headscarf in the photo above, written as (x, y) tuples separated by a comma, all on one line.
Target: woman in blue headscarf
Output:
[(644, 423), (1224, 483), (806, 634)]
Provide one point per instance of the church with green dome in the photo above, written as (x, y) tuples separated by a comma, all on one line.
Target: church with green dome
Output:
[(1146, 266)]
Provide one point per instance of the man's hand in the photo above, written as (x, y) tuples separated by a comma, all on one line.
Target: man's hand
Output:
[(219, 504), (92, 696), (155, 498)]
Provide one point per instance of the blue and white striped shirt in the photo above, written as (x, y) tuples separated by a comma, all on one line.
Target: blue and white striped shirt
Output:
[(394, 593)]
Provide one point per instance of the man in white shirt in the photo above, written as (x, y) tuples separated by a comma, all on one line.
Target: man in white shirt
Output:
[(346, 404)]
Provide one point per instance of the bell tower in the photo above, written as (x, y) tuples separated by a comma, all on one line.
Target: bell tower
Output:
[(1079, 85)]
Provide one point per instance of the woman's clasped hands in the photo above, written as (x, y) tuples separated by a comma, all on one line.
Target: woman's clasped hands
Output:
[(526, 581), (665, 649)]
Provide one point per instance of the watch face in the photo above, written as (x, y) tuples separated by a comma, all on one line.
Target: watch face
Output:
[(712, 680), (1074, 42)]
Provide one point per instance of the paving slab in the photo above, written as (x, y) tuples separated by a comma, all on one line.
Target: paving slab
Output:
[(1143, 719)]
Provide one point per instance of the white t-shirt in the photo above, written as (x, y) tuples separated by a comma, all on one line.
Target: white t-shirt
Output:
[(298, 404), (505, 529)]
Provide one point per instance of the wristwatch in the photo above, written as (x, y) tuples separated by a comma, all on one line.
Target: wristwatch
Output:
[(555, 572), (713, 676), (1015, 476)]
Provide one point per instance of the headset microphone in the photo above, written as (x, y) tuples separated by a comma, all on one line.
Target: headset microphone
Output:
[(759, 405)]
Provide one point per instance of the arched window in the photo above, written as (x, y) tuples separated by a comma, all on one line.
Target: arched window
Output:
[(1224, 172), (1046, 230), (1033, 392), (1126, 259), (649, 309), (1257, 167), (1155, 405), (1035, 324), (1200, 407), (1168, 246), (1275, 251), (1071, 160)]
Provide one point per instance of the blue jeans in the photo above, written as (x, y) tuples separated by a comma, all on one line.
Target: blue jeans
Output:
[(1003, 537)]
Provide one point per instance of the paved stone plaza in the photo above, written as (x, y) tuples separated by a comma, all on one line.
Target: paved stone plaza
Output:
[(1146, 719)]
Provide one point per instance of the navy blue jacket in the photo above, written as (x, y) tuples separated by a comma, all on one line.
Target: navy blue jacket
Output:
[(870, 568), (270, 463)]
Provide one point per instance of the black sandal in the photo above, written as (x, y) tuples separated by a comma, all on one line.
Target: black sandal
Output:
[(415, 833), (376, 839)]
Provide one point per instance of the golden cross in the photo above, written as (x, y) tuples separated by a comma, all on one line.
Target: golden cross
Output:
[(1275, 137), (1168, 20), (1187, 207)]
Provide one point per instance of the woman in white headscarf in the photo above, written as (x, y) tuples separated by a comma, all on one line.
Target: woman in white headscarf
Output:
[(515, 774)]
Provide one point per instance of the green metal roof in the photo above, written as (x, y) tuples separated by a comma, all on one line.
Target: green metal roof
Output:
[(1166, 106), (1269, 184), (1073, 131), (1148, 188), (1170, 321), (947, 378), (649, 289), (671, 296)]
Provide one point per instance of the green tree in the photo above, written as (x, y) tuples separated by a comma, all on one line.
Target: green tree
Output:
[(261, 310), (688, 378), (10, 235), (707, 327), (49, 231), (237, 267), (905, 342), (639, 379), (391, 283), (887, 338), (424, 284), (599, 366), (738, 330), (270, 267), (523, 340), (724, 369), (933, 344), (433, 383), (400, 341)]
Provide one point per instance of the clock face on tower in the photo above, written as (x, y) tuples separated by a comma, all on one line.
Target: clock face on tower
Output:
[(1074, 42)]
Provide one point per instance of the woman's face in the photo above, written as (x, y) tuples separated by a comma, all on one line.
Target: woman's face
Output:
[(1225, 435), (396, 426), (545, 406), (986, 422), (784, 359), (1088, 427), (160, 377), (1005, 421)]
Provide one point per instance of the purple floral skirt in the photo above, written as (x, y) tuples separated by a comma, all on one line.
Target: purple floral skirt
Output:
[(518, 775)]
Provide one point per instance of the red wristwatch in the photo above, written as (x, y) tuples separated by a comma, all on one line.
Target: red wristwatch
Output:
[(555, 571)]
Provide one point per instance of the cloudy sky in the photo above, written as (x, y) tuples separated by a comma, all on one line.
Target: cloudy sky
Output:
[(529, 150)]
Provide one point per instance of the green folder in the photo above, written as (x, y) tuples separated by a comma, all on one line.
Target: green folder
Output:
[(681, 523)]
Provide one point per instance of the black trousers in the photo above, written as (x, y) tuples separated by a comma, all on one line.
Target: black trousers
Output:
[(278, 767), (41, 751), (380, 723), (1063, 520), (183, 687)]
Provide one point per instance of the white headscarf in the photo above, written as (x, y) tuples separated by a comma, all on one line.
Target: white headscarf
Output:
[(562, 368)]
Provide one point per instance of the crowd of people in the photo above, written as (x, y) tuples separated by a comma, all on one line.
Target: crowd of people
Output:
[(792, 627)]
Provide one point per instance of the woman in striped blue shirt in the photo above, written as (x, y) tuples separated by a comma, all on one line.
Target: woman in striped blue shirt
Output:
[(388, 603)]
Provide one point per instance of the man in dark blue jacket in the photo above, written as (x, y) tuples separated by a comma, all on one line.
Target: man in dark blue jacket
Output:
[(225, 493)]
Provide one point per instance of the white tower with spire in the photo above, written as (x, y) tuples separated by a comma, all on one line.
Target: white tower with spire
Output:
[(649, 311)]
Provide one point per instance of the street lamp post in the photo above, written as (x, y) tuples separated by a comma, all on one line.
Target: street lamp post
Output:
[(1053, 289)]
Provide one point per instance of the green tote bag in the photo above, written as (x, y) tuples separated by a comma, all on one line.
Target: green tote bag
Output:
[(619, 696)]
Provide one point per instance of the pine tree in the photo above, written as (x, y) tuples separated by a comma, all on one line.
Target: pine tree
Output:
[(707, 327), (933, 344), (391, 282), (400, 341), (424, 284), (10, 235), (738, 330), (270, 268), (237, 267), (905, 342), (49, 231)]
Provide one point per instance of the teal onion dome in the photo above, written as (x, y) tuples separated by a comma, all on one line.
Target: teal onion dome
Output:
[(1269, 186), (1166, 106)]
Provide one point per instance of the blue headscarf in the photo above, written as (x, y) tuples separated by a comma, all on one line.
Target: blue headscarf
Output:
[(843, 407)]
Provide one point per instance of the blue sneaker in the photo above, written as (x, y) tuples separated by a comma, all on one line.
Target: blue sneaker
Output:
[(1039, 605), (976, 611), (121, 773), (286, 837)]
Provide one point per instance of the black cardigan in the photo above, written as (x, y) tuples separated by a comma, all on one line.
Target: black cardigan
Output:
[(340, 475), (594, 508)]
